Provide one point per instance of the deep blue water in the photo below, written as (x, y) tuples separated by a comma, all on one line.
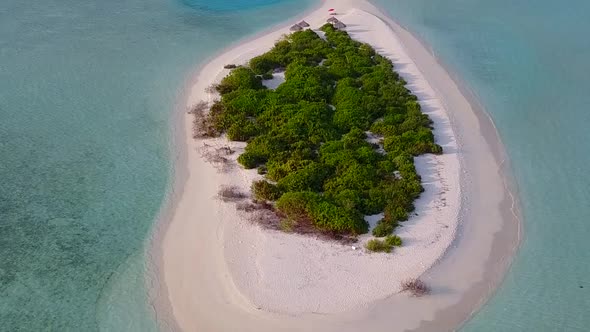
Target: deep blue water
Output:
[(528, 62), (86, 94)]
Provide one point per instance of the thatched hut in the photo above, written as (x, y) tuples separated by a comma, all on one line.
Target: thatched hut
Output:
[(303, 24), (332, 20), (339, 25), (296, 27)]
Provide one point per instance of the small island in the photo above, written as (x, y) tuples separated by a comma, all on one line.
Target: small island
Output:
[(309, 150), (335, 141)]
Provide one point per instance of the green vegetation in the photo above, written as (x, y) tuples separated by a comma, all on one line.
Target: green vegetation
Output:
[(308, 137), (386, 245), (384, 228), (393, 240), (265, 191), (377, 245)]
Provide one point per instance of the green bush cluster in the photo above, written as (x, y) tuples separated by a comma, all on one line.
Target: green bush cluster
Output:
[(385, 245), (393, 240), (384, 228), (309, 135), (265, 191)]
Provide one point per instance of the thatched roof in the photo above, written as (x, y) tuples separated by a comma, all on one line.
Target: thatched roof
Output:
[(333, 20), (296, 27), (339, 25), (303, 24)]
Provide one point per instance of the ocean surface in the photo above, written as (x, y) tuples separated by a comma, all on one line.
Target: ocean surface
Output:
[(528, 62), (87, 93)]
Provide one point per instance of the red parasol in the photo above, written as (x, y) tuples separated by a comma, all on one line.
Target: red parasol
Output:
[(331, 9)]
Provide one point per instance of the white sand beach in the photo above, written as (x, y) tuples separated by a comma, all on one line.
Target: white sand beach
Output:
[(224, 273)]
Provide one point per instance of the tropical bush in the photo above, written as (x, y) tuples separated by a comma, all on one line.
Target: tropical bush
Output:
[(265, 191), (376, 245), (383, 229), (309, 136), (393, 240)]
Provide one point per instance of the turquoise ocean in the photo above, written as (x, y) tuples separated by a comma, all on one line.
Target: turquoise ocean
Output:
[(87, 93)]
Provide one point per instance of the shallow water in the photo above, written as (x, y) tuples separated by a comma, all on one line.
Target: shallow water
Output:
[(527, 61), (86, 94)]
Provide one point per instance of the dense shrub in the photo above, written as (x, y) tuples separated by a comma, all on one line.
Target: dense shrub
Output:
[(250, 160), (393, 240), (383, 229), (239, 78), (311, 208), (309, 136), (265, 191)]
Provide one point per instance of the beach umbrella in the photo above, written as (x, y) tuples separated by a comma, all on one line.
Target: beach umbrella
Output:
[(331, 9)]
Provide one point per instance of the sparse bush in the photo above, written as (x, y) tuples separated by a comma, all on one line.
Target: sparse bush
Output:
[(267, 76), (255, 206), (230, 66), (202, 126), (416, 287), (211, 88), (287, 225), (198, 107), (230, 194), (247, 206)]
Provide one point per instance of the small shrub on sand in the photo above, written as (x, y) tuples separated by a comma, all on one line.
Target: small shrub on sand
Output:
[(231, 194), (255, 206), (287, 225), (265, 218), (211, 88), (393, 240), (203, 125), (217, 157), (377, 245), (247, 207), (416, 287), (383, 229), (198, 107)]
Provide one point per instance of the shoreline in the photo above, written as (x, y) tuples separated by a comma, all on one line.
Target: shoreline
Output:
[(243, 312), (505, 242)]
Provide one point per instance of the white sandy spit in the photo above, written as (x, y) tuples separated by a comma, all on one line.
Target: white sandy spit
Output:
[(217, 265)]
